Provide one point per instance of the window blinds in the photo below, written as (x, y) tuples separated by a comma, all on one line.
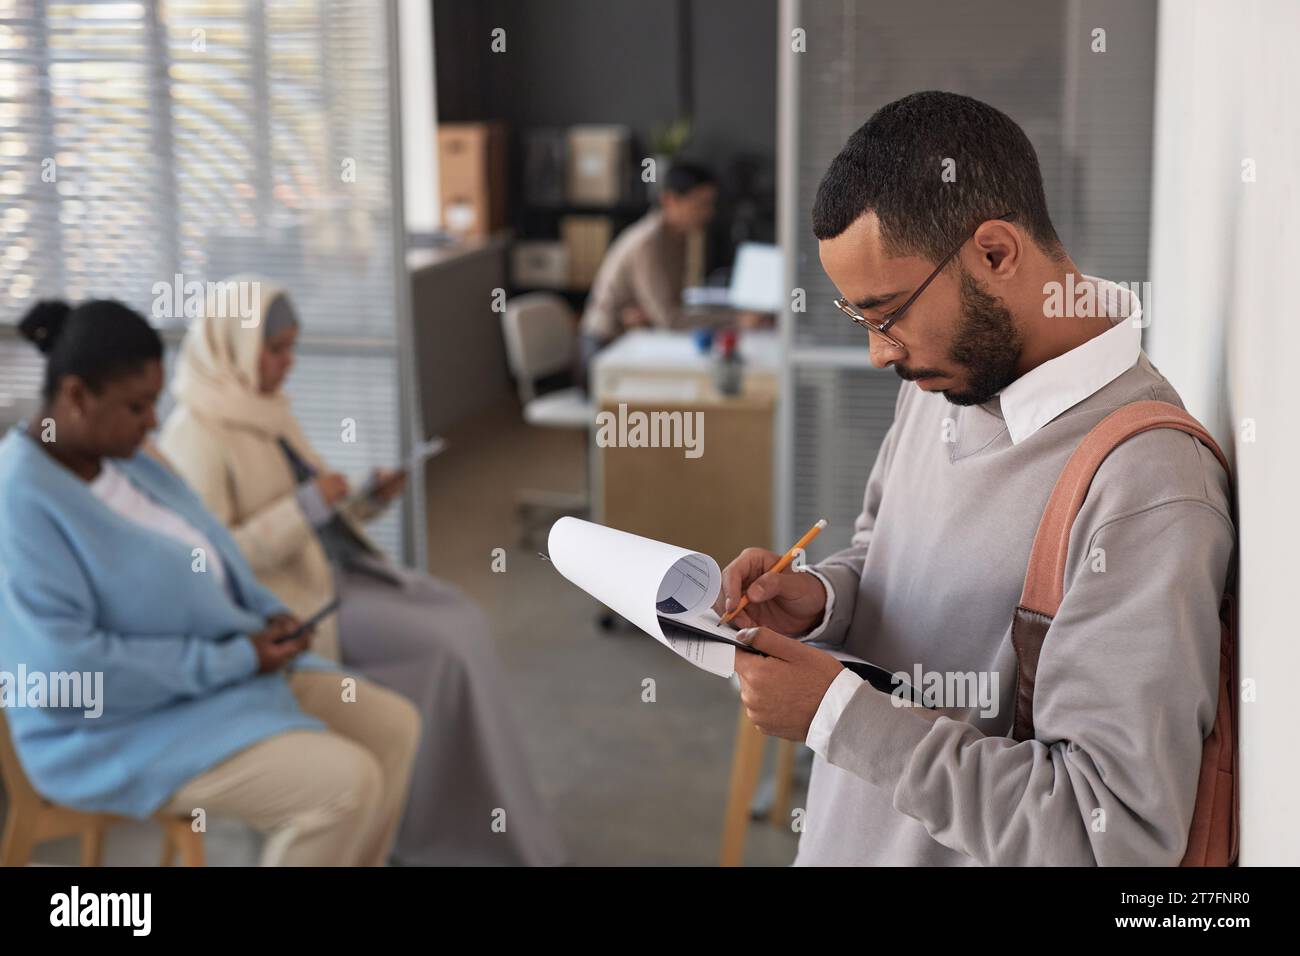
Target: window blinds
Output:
[(208, 138), (1090, 120)]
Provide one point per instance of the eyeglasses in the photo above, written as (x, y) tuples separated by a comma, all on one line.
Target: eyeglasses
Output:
[(891, 318)]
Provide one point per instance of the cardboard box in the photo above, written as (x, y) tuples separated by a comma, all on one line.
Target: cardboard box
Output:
[(587, 240), (540, 264), (472, 178), (598, 164)]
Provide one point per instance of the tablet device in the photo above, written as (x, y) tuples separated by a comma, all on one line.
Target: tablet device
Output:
[(421, 452)]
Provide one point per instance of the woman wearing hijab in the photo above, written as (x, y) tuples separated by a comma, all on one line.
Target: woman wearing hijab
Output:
[(233, 436), (204, 697)]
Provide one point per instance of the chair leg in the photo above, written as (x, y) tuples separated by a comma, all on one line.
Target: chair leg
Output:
[(168, 848), (191, 846), (783, 784), (746, 761), (19, 837), (92, 845)]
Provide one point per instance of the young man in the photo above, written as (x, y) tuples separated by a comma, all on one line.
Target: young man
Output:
[(964, 274), (639, 284)]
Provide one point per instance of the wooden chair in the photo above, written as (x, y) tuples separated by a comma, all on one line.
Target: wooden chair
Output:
[(32, 819), (746, 762)]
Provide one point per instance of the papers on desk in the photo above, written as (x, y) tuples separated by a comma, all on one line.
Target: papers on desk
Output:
[(706, 295), (648, 389), (642, 580)]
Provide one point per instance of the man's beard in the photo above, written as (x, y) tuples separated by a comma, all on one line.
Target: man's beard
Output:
[(987, 344)]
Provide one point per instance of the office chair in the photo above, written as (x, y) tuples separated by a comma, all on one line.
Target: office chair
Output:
[(32, 819), (540, 332)]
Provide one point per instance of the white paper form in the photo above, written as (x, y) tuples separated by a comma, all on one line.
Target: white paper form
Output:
[(641, 578)]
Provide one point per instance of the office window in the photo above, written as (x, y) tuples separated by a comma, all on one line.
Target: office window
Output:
[(1089, 116), (208, 138)]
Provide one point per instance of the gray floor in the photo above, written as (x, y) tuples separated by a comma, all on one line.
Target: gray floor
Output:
[(630, 783)]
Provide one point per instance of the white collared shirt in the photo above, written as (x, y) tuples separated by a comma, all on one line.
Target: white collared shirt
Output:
[(1042, 393), (1028, 403)]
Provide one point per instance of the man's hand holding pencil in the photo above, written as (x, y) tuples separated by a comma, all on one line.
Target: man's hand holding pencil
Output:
[(761, 588), (762, 593)]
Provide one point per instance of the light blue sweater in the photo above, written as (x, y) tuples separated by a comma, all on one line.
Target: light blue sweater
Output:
[(84, 589)]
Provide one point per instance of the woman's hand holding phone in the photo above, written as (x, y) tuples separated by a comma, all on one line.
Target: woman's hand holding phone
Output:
[(387, 484), (273, 650), (333, 487)]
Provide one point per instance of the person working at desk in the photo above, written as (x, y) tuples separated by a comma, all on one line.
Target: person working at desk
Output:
[(951, 282), (640, 282)]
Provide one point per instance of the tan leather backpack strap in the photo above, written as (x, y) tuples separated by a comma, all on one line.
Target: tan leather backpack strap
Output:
[(1045, 578)]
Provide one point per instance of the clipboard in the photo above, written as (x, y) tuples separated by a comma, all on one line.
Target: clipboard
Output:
[(879, 678)]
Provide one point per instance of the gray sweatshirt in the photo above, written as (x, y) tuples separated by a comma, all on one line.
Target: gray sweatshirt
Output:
[(1126, 688)]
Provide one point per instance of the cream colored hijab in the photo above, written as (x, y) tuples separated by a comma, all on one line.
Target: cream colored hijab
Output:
[(216, 373)]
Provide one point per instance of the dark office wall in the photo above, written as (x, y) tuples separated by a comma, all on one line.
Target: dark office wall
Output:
[(641, 63), (584, 61), (734, 59), (460, 65)]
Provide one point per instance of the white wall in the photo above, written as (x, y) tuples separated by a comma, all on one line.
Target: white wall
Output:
[(1225, 331), (419, 116)]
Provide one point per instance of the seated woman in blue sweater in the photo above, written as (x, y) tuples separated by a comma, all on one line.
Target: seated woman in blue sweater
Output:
[(111, 570)]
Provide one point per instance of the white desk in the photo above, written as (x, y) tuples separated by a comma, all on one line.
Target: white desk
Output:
[(651, 366), (657, 492)]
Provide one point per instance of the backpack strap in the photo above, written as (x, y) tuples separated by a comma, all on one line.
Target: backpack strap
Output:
[(1045, 579)]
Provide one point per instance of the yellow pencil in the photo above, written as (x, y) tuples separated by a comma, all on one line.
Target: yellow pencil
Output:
[(781, 565)]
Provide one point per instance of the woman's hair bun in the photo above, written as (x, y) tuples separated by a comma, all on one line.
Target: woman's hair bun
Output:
[(43, 324)]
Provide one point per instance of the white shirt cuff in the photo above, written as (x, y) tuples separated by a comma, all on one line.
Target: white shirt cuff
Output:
[(830, 606), (836, 698)]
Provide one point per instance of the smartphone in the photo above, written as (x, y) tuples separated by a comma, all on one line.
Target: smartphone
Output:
[(311, 622)]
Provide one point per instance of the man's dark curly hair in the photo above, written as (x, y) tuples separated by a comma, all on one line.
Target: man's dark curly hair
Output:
[(893, 165)]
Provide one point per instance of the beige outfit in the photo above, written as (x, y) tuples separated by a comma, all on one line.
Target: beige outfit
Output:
[(331, 798), (646, 267), (245, 480), (223, 438), (400, 629)]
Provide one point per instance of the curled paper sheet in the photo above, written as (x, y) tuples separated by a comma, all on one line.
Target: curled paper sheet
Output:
[(643, 579)]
